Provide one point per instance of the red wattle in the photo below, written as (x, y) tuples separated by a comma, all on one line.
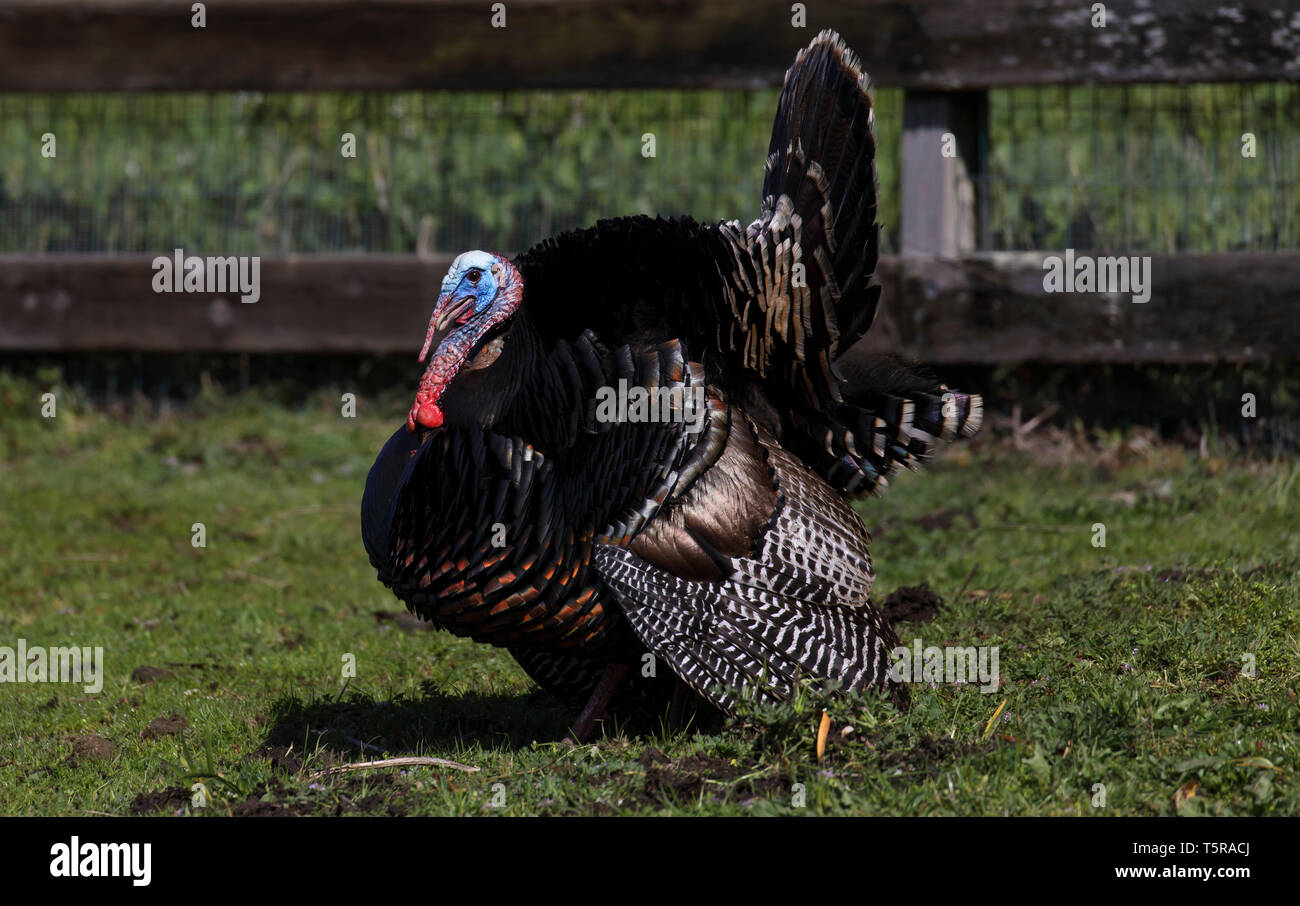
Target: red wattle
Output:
[(424, 413), (429, 415)]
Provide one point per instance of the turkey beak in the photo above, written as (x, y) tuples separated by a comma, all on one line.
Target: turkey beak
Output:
[(446, 316)]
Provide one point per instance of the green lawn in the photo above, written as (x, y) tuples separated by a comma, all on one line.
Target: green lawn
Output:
[(1120, 666)]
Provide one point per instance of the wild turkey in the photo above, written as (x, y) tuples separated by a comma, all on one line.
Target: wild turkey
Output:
[(521, 507)]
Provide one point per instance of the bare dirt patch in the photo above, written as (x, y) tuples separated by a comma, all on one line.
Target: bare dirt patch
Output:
[(913, 604), (170, 800)]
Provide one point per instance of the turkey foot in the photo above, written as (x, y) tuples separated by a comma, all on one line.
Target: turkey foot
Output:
[(601, 696)]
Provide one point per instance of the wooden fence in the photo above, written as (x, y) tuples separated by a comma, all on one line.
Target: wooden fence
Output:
[(984, 308), (944, 302)]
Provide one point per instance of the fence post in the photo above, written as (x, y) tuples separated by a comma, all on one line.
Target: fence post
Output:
[(938, 210)]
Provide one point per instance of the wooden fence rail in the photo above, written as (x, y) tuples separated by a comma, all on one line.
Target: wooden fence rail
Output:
[(943, 303), (132, 45), (975, 309)]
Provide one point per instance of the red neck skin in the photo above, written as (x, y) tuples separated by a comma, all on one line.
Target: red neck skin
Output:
[(455, 347)]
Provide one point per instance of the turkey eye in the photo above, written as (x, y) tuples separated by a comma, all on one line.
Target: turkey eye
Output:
[(474, 275)]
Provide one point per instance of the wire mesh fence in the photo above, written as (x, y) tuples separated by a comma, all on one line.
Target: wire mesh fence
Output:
[(1138, 167), (1157, 168), (249, 172)]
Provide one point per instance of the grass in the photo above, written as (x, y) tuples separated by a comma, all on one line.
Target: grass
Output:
[(1120, 666)]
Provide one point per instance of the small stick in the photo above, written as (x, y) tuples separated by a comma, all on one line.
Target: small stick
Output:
[(411, 761), (1027, 427)]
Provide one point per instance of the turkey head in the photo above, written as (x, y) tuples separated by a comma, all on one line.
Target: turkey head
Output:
[(478, 296)]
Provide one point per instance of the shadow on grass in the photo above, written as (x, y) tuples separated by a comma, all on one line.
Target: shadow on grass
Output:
[(436, 722)]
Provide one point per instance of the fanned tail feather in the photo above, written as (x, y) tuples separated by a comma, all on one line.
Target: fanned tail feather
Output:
[(821, 168), (892, 415), (821, 177)]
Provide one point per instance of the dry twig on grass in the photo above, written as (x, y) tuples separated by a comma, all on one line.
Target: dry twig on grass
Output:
[(411, 761)]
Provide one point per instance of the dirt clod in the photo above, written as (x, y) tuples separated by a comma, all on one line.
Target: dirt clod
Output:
[(164, 726), (147, 674), (168, 800), (255, 807), (912, 604), (93, 748)]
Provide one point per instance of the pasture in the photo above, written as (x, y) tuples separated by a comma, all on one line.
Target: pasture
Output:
[(1128, 666)]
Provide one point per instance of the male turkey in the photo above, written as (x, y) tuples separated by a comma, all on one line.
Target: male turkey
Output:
[(634, 439)]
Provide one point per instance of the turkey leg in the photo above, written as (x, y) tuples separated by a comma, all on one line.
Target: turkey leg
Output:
[(601, 696), (678, 705)]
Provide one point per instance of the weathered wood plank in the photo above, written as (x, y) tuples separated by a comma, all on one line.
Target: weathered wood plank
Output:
[(358, 303), (985, 308), (107, 45), (992, 308)]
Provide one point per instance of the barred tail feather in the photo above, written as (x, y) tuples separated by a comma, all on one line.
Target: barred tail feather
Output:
[(893, 414), (798, 608), (721, 640), (822, 164)]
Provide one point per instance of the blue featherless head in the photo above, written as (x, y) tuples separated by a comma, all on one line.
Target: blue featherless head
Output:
[(471, 275)]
